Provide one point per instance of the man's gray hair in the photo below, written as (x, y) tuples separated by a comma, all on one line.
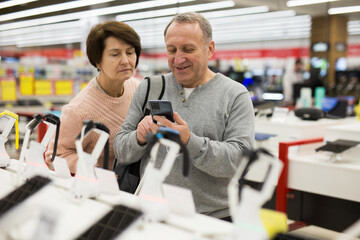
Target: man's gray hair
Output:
[(192, 17)]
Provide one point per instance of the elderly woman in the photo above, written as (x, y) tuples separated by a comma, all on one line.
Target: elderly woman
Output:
[(114, 49)]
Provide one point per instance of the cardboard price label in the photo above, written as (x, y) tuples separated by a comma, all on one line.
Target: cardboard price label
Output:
[(63, 87), (26, 84), (8, 89), (42, 87)]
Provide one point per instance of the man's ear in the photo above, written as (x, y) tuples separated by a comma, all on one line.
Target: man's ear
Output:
[(211, 49)]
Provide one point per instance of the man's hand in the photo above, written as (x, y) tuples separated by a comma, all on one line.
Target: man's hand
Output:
[(145, 126), (179, 125)]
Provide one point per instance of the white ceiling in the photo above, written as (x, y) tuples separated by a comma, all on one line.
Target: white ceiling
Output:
[(275, 5), (256, 30), (313, 10)]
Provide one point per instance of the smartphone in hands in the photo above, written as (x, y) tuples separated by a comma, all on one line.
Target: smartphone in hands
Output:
[(161, 108)]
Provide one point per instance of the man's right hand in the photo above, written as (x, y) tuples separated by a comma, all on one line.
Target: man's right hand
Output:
[(145, 126)]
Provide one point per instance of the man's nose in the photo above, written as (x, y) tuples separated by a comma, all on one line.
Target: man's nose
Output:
[(179, 59)]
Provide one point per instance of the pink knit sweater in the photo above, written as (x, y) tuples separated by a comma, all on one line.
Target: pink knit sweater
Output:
[(91, 104)]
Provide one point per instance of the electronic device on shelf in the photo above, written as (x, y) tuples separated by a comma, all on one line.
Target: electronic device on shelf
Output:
[(12, 118), (23, 192), (112, 224), (309, 113), (263, 136), (337, 147)]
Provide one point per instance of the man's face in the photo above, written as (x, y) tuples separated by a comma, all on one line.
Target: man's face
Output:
[(188, 55)]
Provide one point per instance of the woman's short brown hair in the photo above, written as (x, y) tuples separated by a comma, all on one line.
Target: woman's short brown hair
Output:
[(95, 43)]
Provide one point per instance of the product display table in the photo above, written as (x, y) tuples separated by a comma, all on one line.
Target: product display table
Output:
[(69, 218), (312, 172), (292, 128), (89, 211)]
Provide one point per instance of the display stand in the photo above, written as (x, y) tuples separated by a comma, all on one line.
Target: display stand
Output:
[(282, 187), (12, 119)]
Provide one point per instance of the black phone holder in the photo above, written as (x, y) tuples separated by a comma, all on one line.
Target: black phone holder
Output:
[(172, 135)]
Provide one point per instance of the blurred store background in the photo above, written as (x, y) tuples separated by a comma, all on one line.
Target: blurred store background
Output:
[(42, 42)]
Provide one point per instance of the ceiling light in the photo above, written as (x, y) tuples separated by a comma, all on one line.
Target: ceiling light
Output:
[(341, 10), (208, 15), (35, 37), (41, 28), (14, 3), (254, 17), (235, 12), (48, 42), (174, 11), (50, 9), (91, 13), (295, 3)]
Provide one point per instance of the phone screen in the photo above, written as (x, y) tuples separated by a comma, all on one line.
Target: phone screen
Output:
[(161, 108)]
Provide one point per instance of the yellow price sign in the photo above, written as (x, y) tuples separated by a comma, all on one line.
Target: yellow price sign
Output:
[(8, 89), (43, 87), (63, 87), (26, 84)]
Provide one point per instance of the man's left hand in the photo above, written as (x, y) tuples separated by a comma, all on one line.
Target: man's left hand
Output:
[(179, 125)]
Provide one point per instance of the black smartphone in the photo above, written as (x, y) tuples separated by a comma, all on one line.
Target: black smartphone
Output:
[(161, 108)]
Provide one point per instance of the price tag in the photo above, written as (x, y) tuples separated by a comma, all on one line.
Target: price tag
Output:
[(43, 87), (26, 84), (279, 114), (107, 181), (180, 200), (8, 89), (61, 167), (63, 87)]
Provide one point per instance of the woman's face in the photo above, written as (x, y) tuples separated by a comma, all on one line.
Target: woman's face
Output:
[(117, 61)]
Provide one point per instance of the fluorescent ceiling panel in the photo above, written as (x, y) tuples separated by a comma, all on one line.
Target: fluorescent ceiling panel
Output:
[(41, 28), (49, 42), (208, 15), (235, 12), (341, 10), (175, 10), (42, 36), (50, 9), (91, 13), (295, 3), (11, 3)]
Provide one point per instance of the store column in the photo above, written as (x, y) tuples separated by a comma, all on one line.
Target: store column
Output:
[(329, 42)]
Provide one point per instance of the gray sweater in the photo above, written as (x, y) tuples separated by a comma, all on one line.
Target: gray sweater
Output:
[(220, 117)]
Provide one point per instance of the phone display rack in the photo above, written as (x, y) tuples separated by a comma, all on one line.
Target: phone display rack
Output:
[(23, 192), (112, 224)]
